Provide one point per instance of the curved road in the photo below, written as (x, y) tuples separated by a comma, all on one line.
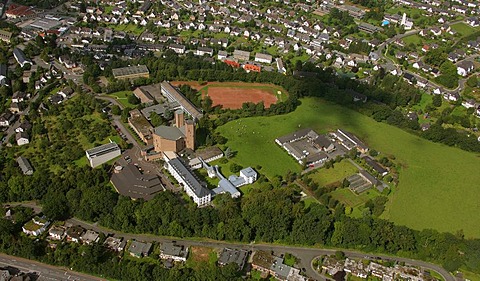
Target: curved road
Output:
[(44, 271)]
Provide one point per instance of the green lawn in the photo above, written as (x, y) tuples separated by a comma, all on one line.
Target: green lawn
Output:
[(463, 28), (351, 199), (122, 98), (436, 188), (340, 171), (415, 39), (129, 28), (425, 100)]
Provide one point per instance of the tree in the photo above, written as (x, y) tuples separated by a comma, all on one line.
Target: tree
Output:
[(116, 110), (437, 100), (207, 104), (235, 168), (133, 99), (156, 119), (55, 206), (449, 76), (228, 153), (472, 81)]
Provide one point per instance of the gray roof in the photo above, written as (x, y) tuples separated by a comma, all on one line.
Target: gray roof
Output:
[(130, 182), (323, 141), (130, 70), (233, 256), (296, 135), (177, 96), (224, 186), (249, 172), (139, 248), (281, 270), (169, 133), (375, 165), (168, 248), (199, 190), (23, 163), (20, 56), (159, 109), (102, 149)]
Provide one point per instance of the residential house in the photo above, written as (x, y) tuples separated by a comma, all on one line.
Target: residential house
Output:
[(74, 233), (228, 256), (168, 250), (22, 138), (20, 57), (90, 237), (56, 233), (36, 226), (263, 58), (25, 166), (6, 119), (19, 96), (3, 74), (139, 249), (465, 67), (115, 244)]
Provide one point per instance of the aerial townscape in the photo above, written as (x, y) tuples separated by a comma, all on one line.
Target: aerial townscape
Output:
[(285, 140)]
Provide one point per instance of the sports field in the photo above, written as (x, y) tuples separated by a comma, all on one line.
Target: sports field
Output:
[(233, 95), (438, 184)]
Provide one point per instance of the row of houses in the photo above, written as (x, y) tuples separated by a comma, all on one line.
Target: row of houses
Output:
[(365, 268)]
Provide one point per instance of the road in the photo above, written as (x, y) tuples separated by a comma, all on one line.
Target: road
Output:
[(305, 254), (44, 271)]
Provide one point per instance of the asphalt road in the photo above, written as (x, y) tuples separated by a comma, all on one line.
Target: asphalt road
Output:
[(44, 271)]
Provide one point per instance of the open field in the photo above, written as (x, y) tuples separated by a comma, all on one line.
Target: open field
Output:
[(340, 171), (232, 95), (434, 180), (351, 199), (415, 39), (463, 28), (198, 255)]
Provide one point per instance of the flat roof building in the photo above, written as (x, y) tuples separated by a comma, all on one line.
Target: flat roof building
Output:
[(141, 126), (102, 154), (199, 193), (233, 256), (139, 249), (128, 181), (241, 55), (172, 94), (263, 58), (131, 72), (169, 250)]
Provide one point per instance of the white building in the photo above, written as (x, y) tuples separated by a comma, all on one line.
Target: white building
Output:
[(103, 153), (263, 58), (36, 226), (194, 189)]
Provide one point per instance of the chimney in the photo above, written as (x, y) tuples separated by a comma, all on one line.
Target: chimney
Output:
[(179, 118), (190, 134)]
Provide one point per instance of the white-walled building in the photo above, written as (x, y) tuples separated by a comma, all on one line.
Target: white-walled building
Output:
[(103, 153), (194, 189)]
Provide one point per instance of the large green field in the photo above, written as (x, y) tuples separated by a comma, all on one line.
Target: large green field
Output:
[(438, 184)]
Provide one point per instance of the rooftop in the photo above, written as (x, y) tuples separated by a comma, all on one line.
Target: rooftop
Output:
[(102, 149), (130, 182), (233, 256), (199, 190), (130, 70), (169, 133)]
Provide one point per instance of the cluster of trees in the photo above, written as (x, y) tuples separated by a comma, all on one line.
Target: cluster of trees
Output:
[(271, 213), (97, 259)]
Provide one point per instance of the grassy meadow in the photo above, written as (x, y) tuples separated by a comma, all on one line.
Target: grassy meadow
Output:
[(438, 184)]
